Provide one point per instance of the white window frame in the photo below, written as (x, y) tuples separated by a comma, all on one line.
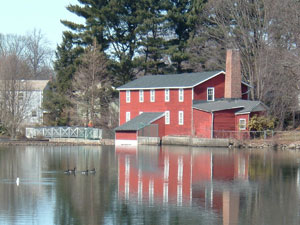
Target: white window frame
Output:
[(213, 93), (141, 95), (127, 96), (33, 113), (20, 96), (152, 95), (167, 95), (127, 116), (244, 125), (167, 117), (181, 95), (180, 117)]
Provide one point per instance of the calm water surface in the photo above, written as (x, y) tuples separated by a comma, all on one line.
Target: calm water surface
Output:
[(151, 185)]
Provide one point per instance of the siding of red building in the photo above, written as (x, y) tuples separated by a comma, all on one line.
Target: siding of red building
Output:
[(126, 135), (218, 82), (174, 106), (202, 123), (224, 120), (161, 125)]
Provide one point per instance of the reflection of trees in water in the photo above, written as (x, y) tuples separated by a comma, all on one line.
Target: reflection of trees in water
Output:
[(277, 197), (24, 163), (260, 167), (85, 199), (273, 195), (79, 199)]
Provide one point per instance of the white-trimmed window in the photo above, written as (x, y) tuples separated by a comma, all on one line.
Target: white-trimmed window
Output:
[(152, 95), (242, 124), (33, 113), (167, 117), (127, 116), (180, 95), (210, 94), (141, 95), (180, 118), (127, 96), (167, 95), (20, 96)]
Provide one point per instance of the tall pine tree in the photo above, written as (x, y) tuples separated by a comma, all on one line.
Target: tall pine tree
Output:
[(182, 16)]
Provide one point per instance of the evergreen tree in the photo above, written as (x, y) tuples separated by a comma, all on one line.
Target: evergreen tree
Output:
[(138, 37), (182, 18), (56, 98), (116, 26), (152, 54)]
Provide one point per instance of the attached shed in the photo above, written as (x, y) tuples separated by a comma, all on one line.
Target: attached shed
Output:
[(127, 134), (219, 118)]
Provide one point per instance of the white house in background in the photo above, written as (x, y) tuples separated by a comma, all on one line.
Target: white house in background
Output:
[(34, 111)]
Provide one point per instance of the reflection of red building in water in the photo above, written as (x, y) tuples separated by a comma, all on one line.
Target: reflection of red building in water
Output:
[(172, 177), (182, 178)]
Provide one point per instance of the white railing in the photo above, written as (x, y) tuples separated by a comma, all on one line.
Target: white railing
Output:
[(64, 132)]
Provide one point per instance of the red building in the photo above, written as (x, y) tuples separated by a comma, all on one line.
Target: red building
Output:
[(195, 104)]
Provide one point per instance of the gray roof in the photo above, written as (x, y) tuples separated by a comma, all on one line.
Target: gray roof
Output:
[(245, 106), (140, 121), (184, 80)]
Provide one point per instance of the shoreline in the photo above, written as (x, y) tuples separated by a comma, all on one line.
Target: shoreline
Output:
[(274, 144), (47, 142)]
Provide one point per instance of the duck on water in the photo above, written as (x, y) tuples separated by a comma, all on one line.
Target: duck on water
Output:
[(86, 172), (68, 171)]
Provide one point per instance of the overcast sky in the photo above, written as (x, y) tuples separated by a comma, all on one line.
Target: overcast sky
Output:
[(22, 16)]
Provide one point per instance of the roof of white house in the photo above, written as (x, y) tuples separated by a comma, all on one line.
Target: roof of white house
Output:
[(28, 85), (36, 85)]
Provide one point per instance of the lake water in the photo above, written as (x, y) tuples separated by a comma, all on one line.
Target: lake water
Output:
[(151, 185)]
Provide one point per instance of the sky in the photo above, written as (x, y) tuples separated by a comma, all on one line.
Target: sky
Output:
[(23, 16)]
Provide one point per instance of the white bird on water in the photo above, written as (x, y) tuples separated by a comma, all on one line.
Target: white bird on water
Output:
[(17, 181)]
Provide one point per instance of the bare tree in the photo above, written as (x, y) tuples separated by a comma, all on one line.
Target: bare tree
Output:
[(267, 36), (14, 93), (12, 44), (38, 54), (90, 84), (32, 48)]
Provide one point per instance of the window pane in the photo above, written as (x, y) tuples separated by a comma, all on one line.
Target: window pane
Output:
[(167, 95), (167, 117), (33, 113), (180, 95), (20, 96), (127, 116), (152, 95), (180, 117), (242, 124), (141, 95), (127, 96), (210, 94)]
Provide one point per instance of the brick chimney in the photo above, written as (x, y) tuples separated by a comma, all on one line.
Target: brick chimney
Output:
[(233, 77)]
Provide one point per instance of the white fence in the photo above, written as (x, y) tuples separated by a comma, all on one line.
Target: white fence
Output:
[(64, 132)]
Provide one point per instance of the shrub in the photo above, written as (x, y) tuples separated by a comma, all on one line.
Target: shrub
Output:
[(3, 129), (261, 123)]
